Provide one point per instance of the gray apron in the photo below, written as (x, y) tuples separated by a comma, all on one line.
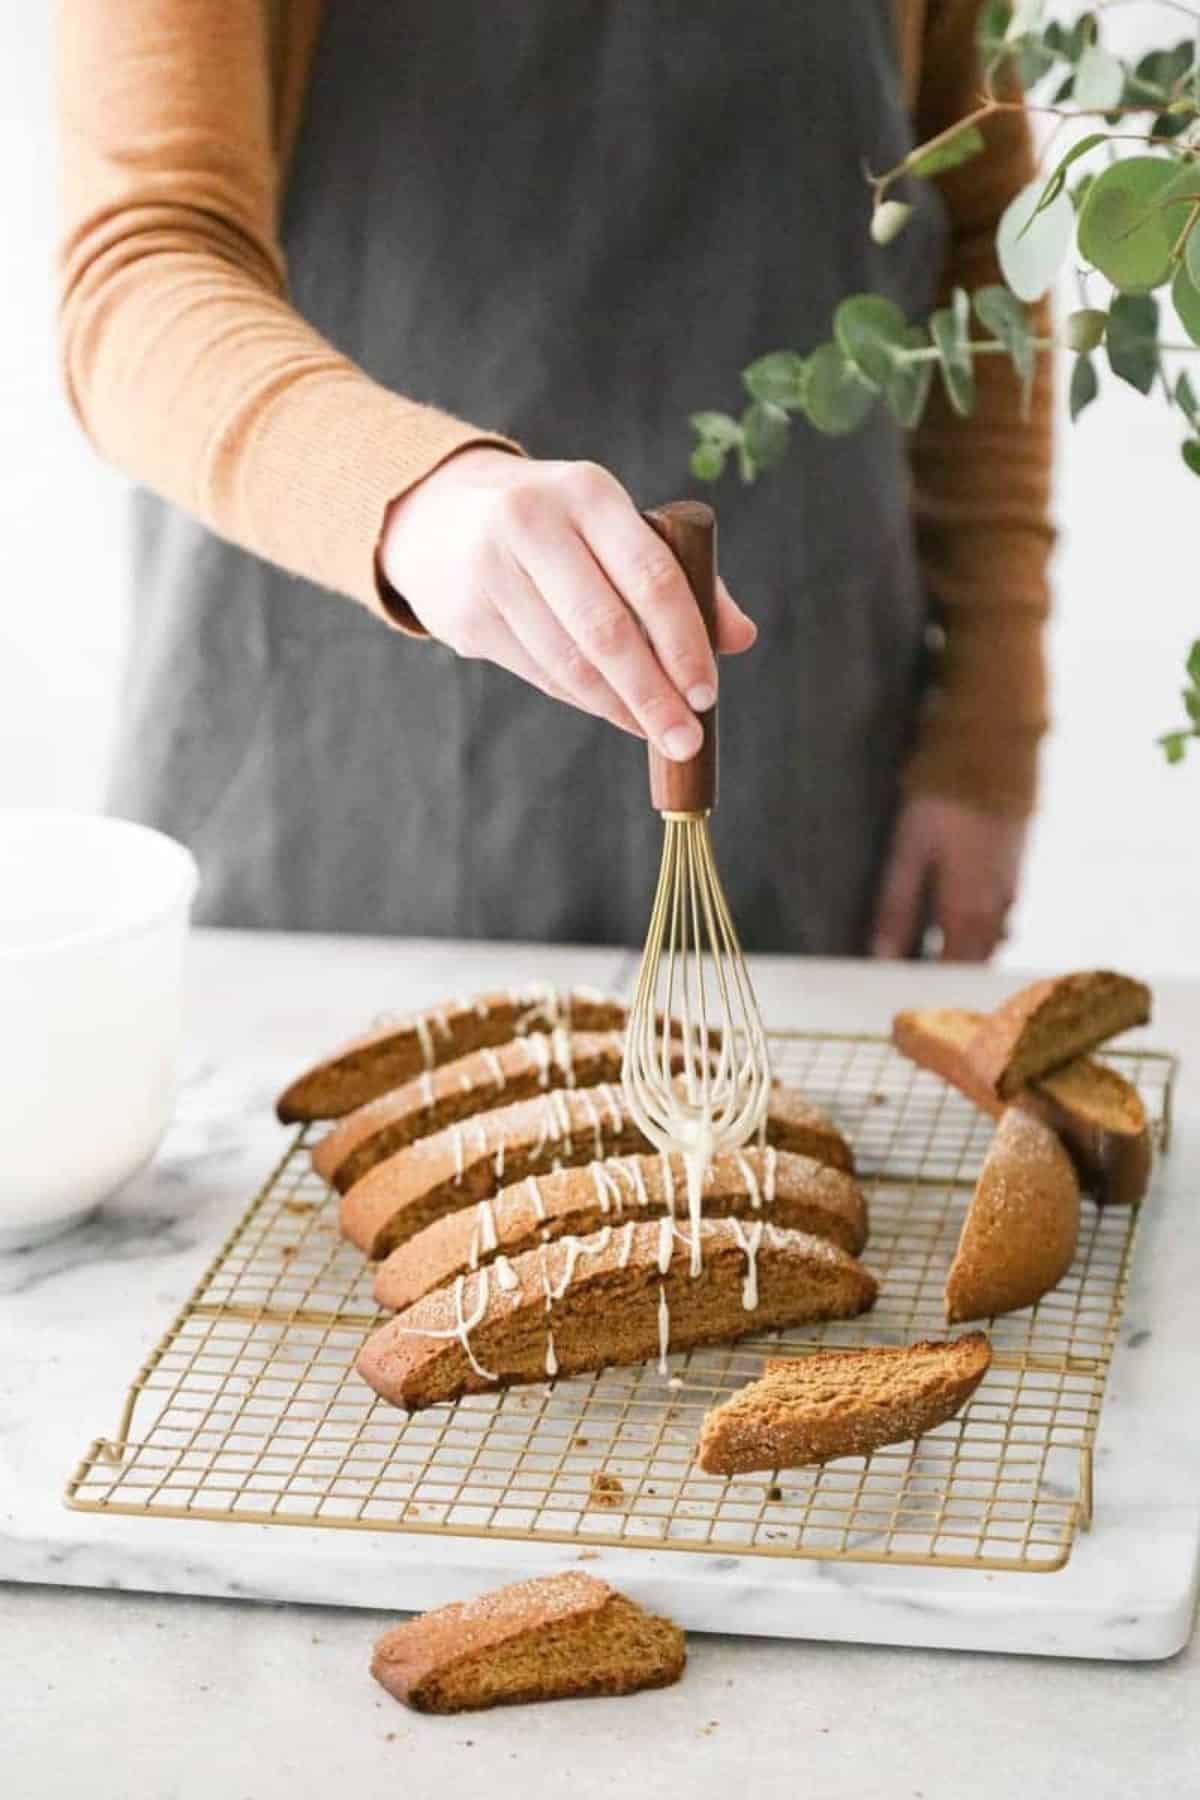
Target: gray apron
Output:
[(574, 221)]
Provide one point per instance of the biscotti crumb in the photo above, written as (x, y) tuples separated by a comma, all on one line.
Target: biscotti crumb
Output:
[(607, 1490)]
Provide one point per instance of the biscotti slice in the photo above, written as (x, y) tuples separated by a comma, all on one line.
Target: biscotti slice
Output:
[(1019, 1236), (1097, 1113), (395, 1052), (1052, 1022), (810, 1409), (471, 1162), (624, 1295), (555, 1638), (476, 1083), (792, 1191)]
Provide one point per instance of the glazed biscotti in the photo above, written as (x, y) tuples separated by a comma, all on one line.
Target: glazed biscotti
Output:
[(623, 1295), (471, 1162), (476, 1083), (811, 1409), (557, 1638), (1019, 1236), (1097, 1113), (791, 1191), (395, 1052), (1052, 1022)]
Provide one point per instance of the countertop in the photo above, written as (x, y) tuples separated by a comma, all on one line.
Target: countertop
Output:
[(120, 1694)]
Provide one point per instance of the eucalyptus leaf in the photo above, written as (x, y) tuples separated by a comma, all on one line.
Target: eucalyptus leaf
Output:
[(1099, 79), (1185, 400), (1084, 329), (777, 379), (836, 398), (1132, 340), (869, 330), (1132, 215), (1191, 254), (1163, 68), (1058, 178), (1000, 313), (1191, 702), (716, 428), (908, 389), (1032, 241), (936, 158), (1084, 32), (765, 433), (1174, 745), (1084, 386), (1193, 662), (1190, 451), (954, 358), (707, 462), (1186, 301)]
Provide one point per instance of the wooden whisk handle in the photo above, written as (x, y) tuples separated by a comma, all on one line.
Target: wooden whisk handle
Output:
[(689, 529)]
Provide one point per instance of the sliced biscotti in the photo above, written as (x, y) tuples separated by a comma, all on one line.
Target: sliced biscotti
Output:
[(810, 1409), (1050, 1023), (624, 1295), (471, 1162), (395, 1052), (1097, 1113), (791, 1191), (1019, 1236), (554, 1638), (476, 1083)]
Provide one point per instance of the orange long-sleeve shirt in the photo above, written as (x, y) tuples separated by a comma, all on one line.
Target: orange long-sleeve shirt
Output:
[(187, 366)]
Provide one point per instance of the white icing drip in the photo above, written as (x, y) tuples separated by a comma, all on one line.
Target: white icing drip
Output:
[(456, 1138), (427, 1088), (539, 1050), (462, 1327), (592, 1118), (770, 1169), (535, 1194), (634, 1170), (551, 1364), (748, 1243), (506, 1275), (666, 1242), (572, 1246), (560, 1116), (487, 1225), (481, 1007), (425, 1040), (626, 1247), (607, 1190), (465, 1082), (610, 1099), (668, 1181), (751, 1180), (491, 1063), (762, 1129), (560, 1044), (664, 1330), (441, 1023), (498, 1160)]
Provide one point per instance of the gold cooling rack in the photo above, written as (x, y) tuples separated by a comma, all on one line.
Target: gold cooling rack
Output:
[(250, 1409)]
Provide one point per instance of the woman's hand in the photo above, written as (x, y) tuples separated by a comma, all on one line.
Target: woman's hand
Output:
[(549, 570), (966, 862)]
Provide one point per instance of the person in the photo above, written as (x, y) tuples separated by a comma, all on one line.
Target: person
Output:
[(409, 300)]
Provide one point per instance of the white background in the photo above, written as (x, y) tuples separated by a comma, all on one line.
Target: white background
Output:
[(1114, 869)]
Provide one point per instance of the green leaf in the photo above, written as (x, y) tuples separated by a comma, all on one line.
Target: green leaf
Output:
[(1191, 254), (935, 159), (1186, 301), (1063, 93), (1080, 191), (777, 379), (836, 398), (1033, 61), (1129, 222), (908, 389), (1163, 68), (1132, 340), (1185, 400), (1084, 329), (869, 331), (1190, 451), (1008, 321), (1084, 386), (716, 428), (747, 468), (1099, 80), (1084, 32), (1058, 178), (949, 327), (1193, 662), (707, 462), (1191, 701), (1032, 240), (1172, 123), (765, 433), (1174, 745)]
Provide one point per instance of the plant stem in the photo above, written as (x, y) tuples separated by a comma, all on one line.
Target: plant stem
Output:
[(990, 347)]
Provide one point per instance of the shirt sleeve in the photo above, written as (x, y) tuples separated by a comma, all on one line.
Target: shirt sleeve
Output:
[(981, 485), (181, 355)]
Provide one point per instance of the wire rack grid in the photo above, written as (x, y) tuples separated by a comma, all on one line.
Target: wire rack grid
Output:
[(250, 1408)]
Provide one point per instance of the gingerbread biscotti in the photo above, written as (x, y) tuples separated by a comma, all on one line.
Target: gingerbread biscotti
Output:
[(395, 1052), (624, 1295), (475, 1083), (1050, 1023), (1097, 1113), (791, 1191), (1022, 1226), (811, 1409), (471, 1162), (554, 1638)]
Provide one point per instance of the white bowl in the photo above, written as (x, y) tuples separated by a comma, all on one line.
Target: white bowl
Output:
[(93, 918)]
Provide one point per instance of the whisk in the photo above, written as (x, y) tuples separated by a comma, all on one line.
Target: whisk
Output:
[(694, 1007)]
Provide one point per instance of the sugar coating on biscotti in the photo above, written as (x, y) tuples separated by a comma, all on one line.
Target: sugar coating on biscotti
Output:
[(1021, 1229)]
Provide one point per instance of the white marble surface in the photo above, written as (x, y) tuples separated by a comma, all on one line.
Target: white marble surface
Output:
[(77, 1317)]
